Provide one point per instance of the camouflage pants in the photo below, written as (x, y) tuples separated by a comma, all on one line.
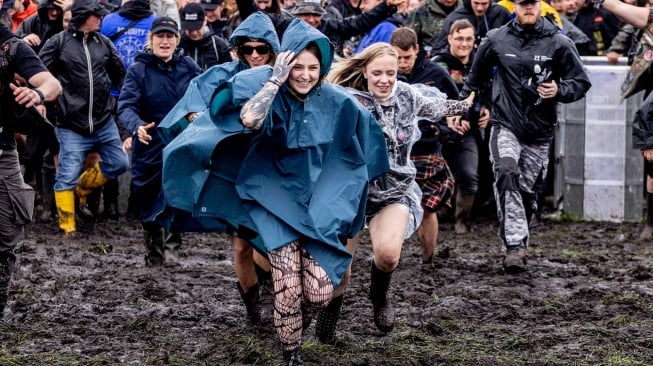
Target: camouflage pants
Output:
[(519, 169)]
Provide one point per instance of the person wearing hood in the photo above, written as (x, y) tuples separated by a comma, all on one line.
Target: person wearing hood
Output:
[(189, 154), (484, 15), (128, 29), (38, 28), (87, 64), (198, 40), (308, 135), (536, 67), (337, 30), (21, 11), (153, 85)]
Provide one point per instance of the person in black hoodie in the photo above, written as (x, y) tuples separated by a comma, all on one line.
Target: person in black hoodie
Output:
[(536, 67), (16, 198), (198, 41), (38, 28), (87, 64), (433, 174)]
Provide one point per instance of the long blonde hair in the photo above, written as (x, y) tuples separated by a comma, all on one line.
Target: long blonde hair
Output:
[(350, 72)]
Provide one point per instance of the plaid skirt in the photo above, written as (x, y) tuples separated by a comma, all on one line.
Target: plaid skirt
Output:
[(435, 179)]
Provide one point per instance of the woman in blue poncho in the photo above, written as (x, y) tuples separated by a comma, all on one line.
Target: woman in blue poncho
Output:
[(304, 179)]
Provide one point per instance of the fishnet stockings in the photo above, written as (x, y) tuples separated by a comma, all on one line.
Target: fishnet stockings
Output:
[(295, 274)]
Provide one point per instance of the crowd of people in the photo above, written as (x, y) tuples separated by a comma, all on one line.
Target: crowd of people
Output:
[(293, 126)]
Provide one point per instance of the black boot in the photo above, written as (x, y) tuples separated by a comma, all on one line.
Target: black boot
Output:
[(110, 193), (154, 238), (171, 248), (384, 312), (5, 277), (252, 303), (47, 194), (294, 357), (327, 318)]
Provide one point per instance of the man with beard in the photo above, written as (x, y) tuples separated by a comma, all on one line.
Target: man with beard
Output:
[(536, 67)]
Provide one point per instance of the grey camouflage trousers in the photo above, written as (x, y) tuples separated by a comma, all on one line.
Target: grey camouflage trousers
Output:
[(519, 170)]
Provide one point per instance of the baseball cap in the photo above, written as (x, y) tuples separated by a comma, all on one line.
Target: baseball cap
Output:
[(192, 16), (526, 1), (211, 4), (308, 7), (167, 24)]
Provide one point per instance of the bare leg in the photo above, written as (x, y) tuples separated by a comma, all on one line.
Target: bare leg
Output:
[(427, 233)]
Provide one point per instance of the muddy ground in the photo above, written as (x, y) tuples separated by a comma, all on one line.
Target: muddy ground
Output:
[(587, 299)]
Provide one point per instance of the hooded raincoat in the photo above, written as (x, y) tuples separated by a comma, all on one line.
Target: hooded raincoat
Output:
[(304, 175)]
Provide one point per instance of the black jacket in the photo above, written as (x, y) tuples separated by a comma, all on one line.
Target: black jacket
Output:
[(429, 73), (643, 125), (521, 55), (495, 16), (86, 69), (40, 25), (208, 51), (600, 26)]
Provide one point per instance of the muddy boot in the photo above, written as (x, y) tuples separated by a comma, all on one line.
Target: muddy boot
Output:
[(647, 233), (327, 318), (384, 312), (110, 193), (515, 260), (464, 203), (89, 210), (154, 239), (293, 357), (47, 194), (252, 304), (91, 179), (266, 295), (65, 201), (5, 276), (171, 248)]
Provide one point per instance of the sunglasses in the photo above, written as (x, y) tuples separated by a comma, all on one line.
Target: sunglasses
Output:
[(261, 50)]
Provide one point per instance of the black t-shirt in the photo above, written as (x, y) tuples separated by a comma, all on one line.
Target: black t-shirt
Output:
[(26, 64)]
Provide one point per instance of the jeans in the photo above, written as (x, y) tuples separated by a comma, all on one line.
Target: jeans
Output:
[(73, 150)]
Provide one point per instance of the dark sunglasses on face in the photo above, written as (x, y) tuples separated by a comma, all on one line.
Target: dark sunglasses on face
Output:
[(261, 50)]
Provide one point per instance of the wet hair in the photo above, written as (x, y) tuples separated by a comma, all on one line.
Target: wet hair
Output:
[(349, 72), (404, 38), (459, 25)]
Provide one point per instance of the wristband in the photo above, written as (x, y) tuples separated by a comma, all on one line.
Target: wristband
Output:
[(275, 80), (41, 96)]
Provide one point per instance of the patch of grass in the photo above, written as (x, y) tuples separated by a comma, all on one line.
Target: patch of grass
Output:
[(629, 300), (103, 247), (569, 217)]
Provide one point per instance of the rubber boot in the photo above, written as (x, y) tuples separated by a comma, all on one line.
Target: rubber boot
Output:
[(384, 312), (110, 193), (92, 204), (647, 233), (90, 179), (252, 303), (293, 357), (47, 194), (65, 201), (464, 203), (154, 239), (5, 277), (327, 318), (171, 248)]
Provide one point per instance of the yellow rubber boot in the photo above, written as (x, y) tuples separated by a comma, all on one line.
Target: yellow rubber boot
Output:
[(90, 179), (65, 201)]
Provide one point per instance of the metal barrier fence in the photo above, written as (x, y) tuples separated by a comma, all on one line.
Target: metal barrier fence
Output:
[(598, 174)]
